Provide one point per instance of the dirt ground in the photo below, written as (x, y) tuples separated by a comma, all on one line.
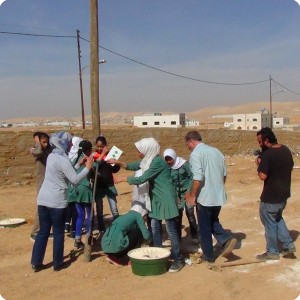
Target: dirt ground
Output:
[(101, 280)]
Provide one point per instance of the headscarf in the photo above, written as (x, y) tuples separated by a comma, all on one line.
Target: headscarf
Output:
[(139, 208), (150, 148), (61, 142), (178, 161), (74, 149)]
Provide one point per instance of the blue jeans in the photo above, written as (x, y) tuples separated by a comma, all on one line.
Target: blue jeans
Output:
[(275, 227), (172, 233), (48, 217), (82, 208), (112, 201), (208, 222)]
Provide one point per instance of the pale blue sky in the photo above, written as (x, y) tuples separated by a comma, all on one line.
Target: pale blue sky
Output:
[(231, 41)]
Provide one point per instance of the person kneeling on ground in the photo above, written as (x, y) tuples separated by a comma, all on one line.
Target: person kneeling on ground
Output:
[(126, 233)]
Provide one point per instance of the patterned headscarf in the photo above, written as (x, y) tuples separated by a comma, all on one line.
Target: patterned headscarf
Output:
[(61, 141), (150, 148)]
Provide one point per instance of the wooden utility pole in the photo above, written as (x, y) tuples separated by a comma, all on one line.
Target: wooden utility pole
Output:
[(271, 109), (94, 70), (80, 80)]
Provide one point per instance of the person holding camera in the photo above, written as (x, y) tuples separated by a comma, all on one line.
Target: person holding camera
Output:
[(274, 168)]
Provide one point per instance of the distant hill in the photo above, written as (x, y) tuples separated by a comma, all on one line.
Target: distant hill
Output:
[(203, 115)]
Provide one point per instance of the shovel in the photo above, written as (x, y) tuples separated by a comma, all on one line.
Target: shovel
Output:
[(219, 267), (87, 255)]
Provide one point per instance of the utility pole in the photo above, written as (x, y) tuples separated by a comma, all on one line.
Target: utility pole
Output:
[(94, 70), (80, 80), (270, 110)]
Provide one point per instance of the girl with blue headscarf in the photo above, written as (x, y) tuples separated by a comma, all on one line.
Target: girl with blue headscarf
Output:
[(52, 200)]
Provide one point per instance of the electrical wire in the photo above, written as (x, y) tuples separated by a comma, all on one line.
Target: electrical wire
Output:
[(178, 75), (39, 35), (149, 66), (284, 87)]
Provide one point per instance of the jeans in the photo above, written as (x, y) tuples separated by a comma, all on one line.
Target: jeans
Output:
[(48, 217), (112, 201), (275, 227), (189, 211), (172, 233), (208, 222), (71, 216), (82, 208)]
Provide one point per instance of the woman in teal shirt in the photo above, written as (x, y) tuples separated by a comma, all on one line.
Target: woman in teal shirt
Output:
[(162, 194), (126, 233)]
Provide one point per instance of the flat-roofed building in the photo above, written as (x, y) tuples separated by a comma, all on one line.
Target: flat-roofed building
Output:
[(159, 120)]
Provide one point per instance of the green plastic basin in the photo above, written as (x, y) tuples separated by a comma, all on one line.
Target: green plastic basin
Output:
[(149, 261)]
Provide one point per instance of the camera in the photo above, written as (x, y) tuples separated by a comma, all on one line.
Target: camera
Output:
[(257, 153)]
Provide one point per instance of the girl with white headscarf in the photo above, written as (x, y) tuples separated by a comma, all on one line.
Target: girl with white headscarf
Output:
[(52, 200), (182, 178), (161, 191)]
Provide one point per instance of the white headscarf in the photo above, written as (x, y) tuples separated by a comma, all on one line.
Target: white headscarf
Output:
[(178, 161), (74, 149), (150, 148), (138, 208)]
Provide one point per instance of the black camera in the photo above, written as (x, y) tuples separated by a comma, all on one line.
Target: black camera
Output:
[(257, 153)]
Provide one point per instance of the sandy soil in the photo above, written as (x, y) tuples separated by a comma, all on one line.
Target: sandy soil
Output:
[(99, 279)]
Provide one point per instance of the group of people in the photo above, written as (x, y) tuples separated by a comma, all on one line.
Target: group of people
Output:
[(163, 187)]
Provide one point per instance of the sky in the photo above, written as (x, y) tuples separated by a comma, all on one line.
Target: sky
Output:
[(212, 48)]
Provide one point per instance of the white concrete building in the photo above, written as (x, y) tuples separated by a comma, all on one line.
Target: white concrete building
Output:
[(192, 123), (254, 121), (159, 120), (279, 122)]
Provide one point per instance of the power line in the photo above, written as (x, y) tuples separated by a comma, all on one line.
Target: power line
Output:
[(284, 87), (149, 66), (39, 35), (177, 75)]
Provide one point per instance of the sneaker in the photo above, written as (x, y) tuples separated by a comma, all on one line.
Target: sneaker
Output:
[(267, 256), (78, 244), (64, 265), (32, 237), (167, 243), (38, 268), (288, 252), (50, 236), (228, 247), (176, 266), (113, 260), (67, 227), (71, 235)]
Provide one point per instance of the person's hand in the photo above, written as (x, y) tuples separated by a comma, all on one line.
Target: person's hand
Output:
[(82, 161), (190, 199), (112, 161), (257, 160), (89, 162)]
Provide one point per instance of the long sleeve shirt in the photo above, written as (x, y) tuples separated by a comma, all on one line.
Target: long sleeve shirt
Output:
[(59, 172)]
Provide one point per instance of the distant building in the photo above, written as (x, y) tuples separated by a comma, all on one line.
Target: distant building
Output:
[(254, 121), (159, 120), (279, 122), (192, 123)]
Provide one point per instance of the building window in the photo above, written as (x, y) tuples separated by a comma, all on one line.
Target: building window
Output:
[(173, 122), (239, 120), (254, 120), (239, 128), (255, 127), (156, 123), (145, 123), (277, 123)]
